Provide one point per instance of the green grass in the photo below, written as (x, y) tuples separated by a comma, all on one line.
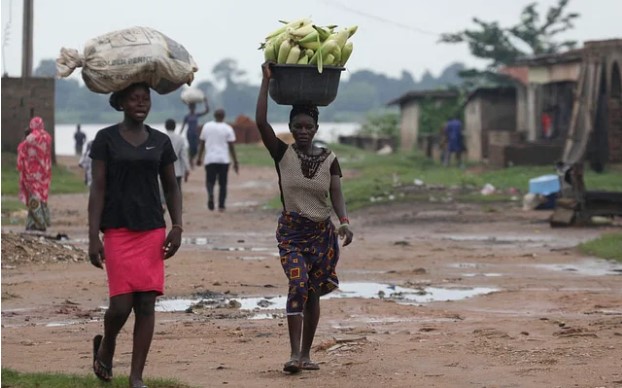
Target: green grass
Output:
[(367, 176), (10, 206), (608, 246), (253, 155), (14, 379), (63, 180), (380, 178)]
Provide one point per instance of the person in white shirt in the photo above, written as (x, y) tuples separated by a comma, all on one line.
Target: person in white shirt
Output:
[(217, 141), (182, 165), (85, 163)]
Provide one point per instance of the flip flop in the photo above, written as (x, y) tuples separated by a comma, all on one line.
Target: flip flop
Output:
[(292, 366), (107, 375), (309, 365)]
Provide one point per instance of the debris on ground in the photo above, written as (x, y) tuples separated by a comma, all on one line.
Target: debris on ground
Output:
[(30, 248)]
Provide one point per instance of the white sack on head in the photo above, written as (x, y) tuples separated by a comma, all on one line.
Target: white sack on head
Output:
[(192, 95), (114, 61)]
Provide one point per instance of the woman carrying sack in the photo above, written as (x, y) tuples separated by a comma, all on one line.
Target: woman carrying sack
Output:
[(124, 204)]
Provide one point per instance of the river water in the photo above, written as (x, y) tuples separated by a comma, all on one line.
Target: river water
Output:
[(64, 144)]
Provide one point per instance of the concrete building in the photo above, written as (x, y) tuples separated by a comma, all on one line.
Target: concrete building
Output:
[(489, 118), (410, 113), (22, 99), (563, 86)]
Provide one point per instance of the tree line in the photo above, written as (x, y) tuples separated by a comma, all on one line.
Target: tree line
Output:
[(364, 92)]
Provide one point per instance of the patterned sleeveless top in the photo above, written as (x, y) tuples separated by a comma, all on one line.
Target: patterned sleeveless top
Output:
[(304, 181)]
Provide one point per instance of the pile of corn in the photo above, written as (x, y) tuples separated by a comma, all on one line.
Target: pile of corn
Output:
[(304, 43)]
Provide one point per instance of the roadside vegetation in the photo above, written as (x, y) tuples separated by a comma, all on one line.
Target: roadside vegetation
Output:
[(370, 178), (14, 379), (608, 246)]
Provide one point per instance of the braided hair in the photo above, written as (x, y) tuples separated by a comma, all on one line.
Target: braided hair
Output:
[(309, 110)]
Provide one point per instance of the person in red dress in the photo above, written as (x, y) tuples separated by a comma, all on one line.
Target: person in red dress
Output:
[(34, 162)]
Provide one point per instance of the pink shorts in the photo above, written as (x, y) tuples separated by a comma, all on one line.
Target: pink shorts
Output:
[(134, 260)]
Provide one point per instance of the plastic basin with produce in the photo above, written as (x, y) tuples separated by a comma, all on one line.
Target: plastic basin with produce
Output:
[(303, 84)]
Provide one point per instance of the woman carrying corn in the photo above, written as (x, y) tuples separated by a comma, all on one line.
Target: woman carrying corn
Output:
[(310, 185)]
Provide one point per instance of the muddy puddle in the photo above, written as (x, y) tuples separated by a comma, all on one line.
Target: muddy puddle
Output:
[(590, 267), (366, 290), (525, 241), (586, 267)]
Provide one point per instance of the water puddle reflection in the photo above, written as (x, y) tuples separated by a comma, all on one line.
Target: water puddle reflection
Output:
[(586, 267), (346, 290)]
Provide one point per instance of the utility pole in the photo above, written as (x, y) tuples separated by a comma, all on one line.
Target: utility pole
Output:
[(27, 38)]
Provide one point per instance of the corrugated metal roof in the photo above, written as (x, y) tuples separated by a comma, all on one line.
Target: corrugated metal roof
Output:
[(423, 94), (575, 55)]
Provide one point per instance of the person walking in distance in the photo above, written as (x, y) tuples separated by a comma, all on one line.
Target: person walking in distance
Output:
[(193, 130), (217, 142), (34, 163), (80, 138), (310, 184), (124, 204), (182, 165), (455, 141)]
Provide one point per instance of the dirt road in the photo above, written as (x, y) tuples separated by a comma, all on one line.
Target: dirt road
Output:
[(433, 295)]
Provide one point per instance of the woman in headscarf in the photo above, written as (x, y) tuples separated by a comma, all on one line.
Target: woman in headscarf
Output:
[(34, 162), (310, 184)]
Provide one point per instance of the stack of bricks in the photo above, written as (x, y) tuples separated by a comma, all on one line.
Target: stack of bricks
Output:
[(614, 129), (22, 99)]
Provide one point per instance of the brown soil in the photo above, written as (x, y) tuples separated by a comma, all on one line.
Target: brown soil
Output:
[(554, 319)]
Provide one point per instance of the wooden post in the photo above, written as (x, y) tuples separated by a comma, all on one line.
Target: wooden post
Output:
[(27, 38)]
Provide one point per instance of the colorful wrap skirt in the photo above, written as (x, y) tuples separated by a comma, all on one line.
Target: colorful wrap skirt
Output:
[(134, 260), (309, 253), (38, 215)]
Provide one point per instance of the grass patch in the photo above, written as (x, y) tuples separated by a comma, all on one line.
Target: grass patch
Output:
[(12, 378), (9, 206), (608, 246), (371, 178), (63, 180), (253, 155)]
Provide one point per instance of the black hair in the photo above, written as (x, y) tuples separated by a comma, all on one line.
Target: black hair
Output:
[(169, 124), (118, 96), (309, 110)]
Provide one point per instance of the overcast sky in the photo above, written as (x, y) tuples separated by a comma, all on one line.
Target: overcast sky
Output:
[(393, 35)]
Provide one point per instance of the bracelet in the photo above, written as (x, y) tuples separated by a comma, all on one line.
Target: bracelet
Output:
[(177, 226), (344, 220)]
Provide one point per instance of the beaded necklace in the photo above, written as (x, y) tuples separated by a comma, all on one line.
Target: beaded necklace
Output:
[(310, 164)]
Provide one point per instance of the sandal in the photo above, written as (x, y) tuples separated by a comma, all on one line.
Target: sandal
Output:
[(101, 370), (292, 366), (309, 365)]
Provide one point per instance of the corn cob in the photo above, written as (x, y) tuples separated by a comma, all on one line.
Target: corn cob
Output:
[(303, 31), (327, 48), (312, 45), (294, 55), (340, 37), (303, 60), (345, 53), (284, 50), (310, 37), (323, 33), (352, 30), (269, 53), (294, 25)]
